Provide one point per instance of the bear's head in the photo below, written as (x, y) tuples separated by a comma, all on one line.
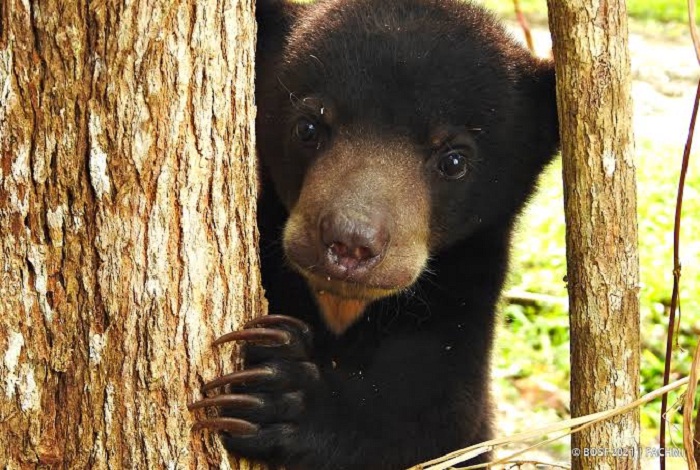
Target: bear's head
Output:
[(393, 131)]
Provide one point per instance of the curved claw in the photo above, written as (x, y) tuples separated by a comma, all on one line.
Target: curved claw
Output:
[(232, 425), (258, 335), (270, 320), (237, 400), (239, 378)]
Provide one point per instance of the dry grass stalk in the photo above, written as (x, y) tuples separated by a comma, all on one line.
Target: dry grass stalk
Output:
[(564, 427)]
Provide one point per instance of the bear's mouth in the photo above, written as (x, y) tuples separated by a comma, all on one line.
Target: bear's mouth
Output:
[(343, 297), (343, 303)]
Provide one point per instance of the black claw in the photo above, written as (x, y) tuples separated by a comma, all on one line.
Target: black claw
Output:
[(256, 335), (236, 400), (239, 378), (232, 425), (271, 320)]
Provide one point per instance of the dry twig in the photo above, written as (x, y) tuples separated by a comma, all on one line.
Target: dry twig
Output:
[(562, 427), (525, 25), (688, 441)]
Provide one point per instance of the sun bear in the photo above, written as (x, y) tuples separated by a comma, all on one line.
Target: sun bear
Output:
[(398, 141)]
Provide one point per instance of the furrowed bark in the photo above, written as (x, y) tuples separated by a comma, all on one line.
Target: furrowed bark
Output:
[(127, 226)]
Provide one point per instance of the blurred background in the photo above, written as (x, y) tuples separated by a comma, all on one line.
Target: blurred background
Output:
[(531, 358)]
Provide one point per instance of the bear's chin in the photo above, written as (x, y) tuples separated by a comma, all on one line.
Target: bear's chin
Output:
[(343, 303), (339, 313)]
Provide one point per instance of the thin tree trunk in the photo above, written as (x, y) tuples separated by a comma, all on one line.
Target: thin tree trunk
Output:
[(593, 86), (127, 229)]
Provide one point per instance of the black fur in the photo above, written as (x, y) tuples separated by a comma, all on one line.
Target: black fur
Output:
[(409, 381)]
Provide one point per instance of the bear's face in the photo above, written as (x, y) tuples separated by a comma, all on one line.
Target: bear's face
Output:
[(389, 143)]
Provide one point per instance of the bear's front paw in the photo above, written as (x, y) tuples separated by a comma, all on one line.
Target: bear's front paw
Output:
[(260, 406)]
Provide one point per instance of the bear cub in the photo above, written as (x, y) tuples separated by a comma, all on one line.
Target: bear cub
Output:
[(398, 141)]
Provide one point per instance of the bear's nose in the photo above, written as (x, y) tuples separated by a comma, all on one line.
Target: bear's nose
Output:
[(353, 243)]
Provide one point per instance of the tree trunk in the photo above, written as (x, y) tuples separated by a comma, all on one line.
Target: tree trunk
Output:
[(595, 112), (127, 228)]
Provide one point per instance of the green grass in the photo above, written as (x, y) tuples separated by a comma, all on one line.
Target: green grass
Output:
[(534, 341), (656, 10), (659, 10)]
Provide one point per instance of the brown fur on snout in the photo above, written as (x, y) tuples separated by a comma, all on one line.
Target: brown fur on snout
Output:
[(361, 176)]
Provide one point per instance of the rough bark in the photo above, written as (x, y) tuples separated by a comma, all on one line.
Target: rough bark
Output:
[(127, 230), (594, 98)]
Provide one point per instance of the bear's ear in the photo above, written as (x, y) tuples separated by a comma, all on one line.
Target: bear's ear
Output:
[(539, 106), (275, 20)]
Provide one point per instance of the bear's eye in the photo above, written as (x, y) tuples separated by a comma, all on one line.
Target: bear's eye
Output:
[(305, 130), (452, 165)]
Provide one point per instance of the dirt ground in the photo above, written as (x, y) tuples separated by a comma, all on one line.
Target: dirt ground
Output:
[(665, 73)]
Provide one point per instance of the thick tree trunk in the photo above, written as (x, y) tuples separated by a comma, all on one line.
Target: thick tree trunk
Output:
[(127, 229), (593, 88)]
